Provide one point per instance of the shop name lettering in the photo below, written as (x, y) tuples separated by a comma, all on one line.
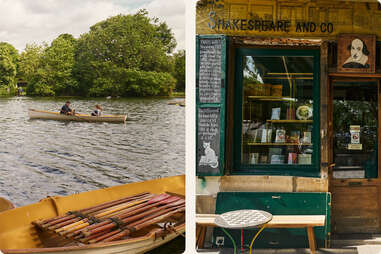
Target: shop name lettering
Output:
[(267, 25)]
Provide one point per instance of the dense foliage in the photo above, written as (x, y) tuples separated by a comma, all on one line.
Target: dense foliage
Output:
[(179, 70), (125, 55), (8, 66)]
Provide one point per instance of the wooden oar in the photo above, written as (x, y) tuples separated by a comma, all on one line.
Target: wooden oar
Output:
[(159, 217), (119, 233), (153, 213), (69, 221), (159, 200), (125, 218), (85, 222), (63, 218)]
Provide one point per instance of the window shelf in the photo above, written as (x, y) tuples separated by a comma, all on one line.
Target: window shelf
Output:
[(272, 98), (289, 121), (278, 144)]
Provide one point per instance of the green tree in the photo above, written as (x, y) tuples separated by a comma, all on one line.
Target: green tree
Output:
[(29, 61), (8, 66), (54, 75), (179, 70), (124, 44)]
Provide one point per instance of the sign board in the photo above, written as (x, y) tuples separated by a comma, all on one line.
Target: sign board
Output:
[(209, 83), (298, 18), (210, 105), (208, 140)]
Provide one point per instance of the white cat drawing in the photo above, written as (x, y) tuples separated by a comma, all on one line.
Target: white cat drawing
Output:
[(210, 158)]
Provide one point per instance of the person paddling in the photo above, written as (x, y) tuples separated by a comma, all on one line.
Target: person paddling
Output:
[(66, 110), (97, 111)]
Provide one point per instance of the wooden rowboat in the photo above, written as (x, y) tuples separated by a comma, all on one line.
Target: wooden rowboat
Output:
[(49, 115), (18, 233)]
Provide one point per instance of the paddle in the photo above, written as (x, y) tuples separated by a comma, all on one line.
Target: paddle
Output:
[(85, 222), (125, 218), (119, 233), (59, 219), (155, 219)]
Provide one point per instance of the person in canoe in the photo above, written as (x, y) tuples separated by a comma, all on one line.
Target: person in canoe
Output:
[(97, 111), (66, 110)]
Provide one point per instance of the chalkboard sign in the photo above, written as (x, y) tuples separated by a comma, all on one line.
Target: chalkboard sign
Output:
[(210, 81), (211, 95), (208, 140)]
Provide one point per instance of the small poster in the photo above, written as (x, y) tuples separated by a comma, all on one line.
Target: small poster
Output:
[(295, 137), (263, 159), (307, 137), (277, 159), (280, 136), (275, 114), (254, 158), (292, 158), (355, 134)]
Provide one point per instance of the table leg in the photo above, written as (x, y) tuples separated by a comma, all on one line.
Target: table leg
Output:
[(311, 239), (255, 237), (241, 240), (231, 238), (202, 237)]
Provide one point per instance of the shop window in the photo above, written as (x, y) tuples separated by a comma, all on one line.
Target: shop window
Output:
[(278, 112)]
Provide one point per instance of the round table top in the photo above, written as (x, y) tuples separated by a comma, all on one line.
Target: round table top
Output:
[(240, 219)]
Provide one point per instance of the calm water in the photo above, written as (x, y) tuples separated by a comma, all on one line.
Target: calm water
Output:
[(40, 158)]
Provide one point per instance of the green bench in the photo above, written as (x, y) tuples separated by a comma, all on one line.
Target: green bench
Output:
[(300, 232)]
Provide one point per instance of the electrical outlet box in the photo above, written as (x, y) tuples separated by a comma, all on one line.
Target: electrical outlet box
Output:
[(220, 240)]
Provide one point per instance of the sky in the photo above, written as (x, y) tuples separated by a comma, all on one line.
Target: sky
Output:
[(37, 21)]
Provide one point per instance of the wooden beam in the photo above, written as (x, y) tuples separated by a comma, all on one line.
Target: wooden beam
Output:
[(355, 75)]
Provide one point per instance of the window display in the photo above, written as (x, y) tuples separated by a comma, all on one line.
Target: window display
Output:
[(277, 110)]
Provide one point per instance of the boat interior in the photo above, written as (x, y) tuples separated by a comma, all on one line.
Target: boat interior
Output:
[(41, 226)]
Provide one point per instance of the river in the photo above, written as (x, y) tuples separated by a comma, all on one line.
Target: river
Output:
[(40, 158)]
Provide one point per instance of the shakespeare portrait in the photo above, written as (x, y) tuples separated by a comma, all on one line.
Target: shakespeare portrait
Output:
[(356, 53), (359, 55)]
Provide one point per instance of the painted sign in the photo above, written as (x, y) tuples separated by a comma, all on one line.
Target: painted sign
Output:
[(208, 150), (298, 18), (258, 25)]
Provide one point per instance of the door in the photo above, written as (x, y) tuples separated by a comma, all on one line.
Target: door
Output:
[(354, 156)]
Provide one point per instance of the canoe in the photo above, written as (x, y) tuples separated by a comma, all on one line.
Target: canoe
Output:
[(49, 115), (18, 233)]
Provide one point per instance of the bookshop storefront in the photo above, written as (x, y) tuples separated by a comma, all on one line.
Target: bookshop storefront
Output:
[(288, 97)]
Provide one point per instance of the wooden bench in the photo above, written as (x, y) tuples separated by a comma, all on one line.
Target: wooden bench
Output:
[(279, 221)]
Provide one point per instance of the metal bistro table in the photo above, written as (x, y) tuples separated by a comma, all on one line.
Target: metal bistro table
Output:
[(243, 219)]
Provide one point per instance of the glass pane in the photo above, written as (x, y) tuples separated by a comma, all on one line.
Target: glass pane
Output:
[(277, 110), (355, 114)]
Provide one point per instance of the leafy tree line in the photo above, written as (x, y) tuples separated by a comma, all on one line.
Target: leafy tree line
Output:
[(124, 55)]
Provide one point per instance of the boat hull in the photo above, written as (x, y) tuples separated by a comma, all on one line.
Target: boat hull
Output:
[(141, 246), (48, 115), (18, 235)]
